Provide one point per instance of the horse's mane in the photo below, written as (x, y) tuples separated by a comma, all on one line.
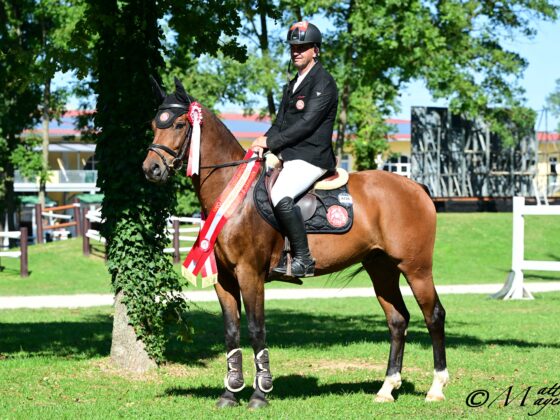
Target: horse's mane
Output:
[(223, 130)]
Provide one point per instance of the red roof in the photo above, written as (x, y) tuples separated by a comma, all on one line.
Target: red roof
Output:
[(547, 137)]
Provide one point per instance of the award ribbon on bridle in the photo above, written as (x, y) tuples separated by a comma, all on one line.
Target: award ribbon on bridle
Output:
[(195, 119), (201, 258)]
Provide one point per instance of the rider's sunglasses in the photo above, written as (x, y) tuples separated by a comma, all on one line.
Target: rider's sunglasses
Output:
[(299, 48)]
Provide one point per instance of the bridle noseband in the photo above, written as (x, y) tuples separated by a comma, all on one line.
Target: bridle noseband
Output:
[(178, 158)]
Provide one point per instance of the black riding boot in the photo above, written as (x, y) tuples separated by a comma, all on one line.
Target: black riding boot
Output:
[(291, 221)]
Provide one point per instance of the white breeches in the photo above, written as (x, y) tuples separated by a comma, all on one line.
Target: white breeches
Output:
[(296, 178)]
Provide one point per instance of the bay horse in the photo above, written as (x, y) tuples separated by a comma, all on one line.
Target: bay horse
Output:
[(393, 232)]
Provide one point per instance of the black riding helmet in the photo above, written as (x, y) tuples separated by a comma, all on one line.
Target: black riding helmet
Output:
[(304, 33)]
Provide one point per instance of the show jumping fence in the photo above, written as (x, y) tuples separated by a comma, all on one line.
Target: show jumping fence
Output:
[(21, 253), (175, 233), (74, 220), (514, 288)]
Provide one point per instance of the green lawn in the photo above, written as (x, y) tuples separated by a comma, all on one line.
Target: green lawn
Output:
[(328, 358), (470, 248)]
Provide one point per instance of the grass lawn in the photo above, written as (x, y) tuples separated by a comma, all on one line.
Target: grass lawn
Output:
[(470, 248), (328, 358)]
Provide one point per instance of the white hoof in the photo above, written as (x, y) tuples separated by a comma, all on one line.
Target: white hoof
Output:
[(390, 383), (435, 393), (384, 398), (435, 397)]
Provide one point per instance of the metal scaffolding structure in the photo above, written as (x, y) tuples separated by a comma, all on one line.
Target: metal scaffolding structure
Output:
[(456, 157)]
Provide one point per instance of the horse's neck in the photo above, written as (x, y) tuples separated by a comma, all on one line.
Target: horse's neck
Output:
[(217, 146)]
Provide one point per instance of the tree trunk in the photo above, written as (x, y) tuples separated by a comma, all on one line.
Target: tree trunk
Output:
[(263, 40), (127, 352), (45, 144)]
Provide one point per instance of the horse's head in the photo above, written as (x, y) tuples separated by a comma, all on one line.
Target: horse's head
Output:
[(171, 134)]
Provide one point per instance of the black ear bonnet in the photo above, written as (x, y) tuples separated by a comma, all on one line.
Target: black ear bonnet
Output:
[(173, 106), (170, 110)]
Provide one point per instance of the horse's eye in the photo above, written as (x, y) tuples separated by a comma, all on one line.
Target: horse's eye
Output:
[(179, 126)]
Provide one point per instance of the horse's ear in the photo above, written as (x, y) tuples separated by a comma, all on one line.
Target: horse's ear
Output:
[(158, 91), (180, 91)]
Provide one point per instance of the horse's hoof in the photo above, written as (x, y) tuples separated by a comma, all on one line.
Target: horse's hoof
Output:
[(257, 403), (384, 398), (226, 403), (435, 397)]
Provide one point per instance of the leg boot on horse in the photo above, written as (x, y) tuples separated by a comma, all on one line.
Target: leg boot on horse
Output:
[(291, 220)]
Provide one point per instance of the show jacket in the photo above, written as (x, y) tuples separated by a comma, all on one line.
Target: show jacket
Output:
[(303, 128)]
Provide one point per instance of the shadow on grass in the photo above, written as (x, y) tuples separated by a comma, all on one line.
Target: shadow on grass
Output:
[(91, 336), (80, 340), (297, 386)]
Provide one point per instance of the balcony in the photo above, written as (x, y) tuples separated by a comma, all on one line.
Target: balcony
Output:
[(61, 181)]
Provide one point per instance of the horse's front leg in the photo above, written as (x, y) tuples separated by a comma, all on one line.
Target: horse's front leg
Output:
[(227, 290), (252, 291)]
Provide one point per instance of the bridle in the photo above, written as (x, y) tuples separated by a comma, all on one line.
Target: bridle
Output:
[(179, 158)]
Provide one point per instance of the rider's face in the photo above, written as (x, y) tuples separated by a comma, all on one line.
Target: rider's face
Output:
[(302, 55)]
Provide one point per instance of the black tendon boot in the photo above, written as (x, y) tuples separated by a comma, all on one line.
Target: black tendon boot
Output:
[(262, 382), (233, 381), (289, 216)]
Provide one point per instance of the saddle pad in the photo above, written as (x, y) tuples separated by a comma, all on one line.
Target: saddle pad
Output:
[(334, 212)]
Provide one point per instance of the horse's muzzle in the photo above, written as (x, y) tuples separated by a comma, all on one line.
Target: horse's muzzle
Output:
[(154, 171)]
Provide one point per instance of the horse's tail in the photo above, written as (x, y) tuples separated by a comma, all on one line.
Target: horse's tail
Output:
[(425, 188)]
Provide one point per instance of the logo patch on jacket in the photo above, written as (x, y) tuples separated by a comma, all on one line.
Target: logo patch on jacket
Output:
[(300, 104)]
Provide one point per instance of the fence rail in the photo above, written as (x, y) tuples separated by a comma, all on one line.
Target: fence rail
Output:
[(514, 288), (49, 212)]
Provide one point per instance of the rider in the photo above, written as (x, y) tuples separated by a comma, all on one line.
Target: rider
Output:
[(301, 137)]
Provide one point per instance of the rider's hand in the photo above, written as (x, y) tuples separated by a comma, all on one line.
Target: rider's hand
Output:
[(258, 146)]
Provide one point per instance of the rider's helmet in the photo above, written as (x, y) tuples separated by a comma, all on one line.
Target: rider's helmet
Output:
[(304, 33)]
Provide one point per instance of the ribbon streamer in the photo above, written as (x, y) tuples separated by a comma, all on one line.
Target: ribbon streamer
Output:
[(195, 118)]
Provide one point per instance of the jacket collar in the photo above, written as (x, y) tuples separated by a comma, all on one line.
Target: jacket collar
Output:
[(306, 80)]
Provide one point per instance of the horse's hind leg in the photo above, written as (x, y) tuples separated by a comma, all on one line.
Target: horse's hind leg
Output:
[(385, 277), (421, 282)]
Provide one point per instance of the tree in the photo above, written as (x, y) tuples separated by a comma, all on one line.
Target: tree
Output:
[(453, 46), (553, 102), (34, 45), (127, 51), (19, 95)]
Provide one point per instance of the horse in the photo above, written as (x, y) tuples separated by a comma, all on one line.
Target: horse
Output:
[(393, 232)]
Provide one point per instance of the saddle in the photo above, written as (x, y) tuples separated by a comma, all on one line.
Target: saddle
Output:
[(326, 207)]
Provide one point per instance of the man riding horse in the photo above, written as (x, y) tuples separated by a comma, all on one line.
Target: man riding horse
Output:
[(301, 137)]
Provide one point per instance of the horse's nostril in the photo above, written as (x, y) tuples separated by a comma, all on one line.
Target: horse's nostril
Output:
[(156, 169)]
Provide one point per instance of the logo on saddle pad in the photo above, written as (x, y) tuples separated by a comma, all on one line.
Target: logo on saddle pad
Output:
[(337, 216)]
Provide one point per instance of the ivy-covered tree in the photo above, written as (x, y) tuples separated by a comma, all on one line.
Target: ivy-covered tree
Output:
[(127, 52)]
